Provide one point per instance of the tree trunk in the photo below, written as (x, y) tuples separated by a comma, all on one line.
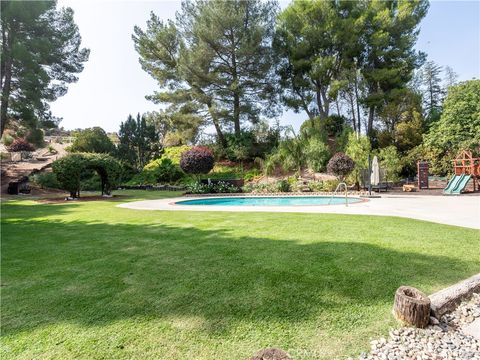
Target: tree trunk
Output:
[(236, 113), (411, 306), (371, 115), (218, 129), (6, 83), (354, 120), (357, 102)]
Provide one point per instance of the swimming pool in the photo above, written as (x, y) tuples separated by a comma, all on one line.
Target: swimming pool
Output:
[(270, 201)]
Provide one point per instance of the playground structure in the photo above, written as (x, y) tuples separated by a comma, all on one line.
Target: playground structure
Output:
[(465, 167)]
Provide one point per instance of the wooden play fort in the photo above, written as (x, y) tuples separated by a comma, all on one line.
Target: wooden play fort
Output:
[(465, 167)]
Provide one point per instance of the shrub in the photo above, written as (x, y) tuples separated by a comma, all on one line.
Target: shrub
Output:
[(282, 186), (52, 150), (197, 160), (92, 140), (91, 183), (7, 139), (47, 180), (218, 188), (162, 170), (340, 165), (316, 186), (262, 188), (174, 153), (21, 145), (391, 162), (69, 170), (35, 136), (330, 185)]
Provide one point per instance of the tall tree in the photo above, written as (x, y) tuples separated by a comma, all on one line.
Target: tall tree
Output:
[(388, 57), (316, 40), (139, 141), (92, 140), (450, 78), (215, 61), (41, 54), (432, 90)]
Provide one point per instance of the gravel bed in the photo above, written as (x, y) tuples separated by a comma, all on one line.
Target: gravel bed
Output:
[(440, 340)]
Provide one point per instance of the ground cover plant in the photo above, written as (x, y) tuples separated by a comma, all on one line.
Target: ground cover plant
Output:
[(90, 280)]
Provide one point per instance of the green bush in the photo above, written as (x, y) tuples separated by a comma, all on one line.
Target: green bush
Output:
[(282, 186), (47, 180), (174, 153), (262, 188), (251, 174), (218, 188), (316, 186), (92, 183), (7, 139), (330, 185), (162, 170), (35, 136), (391, 162), (70, 169)]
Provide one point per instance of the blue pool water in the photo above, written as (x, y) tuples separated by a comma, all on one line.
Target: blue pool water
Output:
[(270, 201)]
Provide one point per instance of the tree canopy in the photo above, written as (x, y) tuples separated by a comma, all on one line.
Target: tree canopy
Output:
[(71, 167), (139, 141), (214, 63), (92, 140), (41, 55), (459, 124)]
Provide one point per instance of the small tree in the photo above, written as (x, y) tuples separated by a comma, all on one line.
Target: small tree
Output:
[(92, 140), (20, 145), (340, 165), (198, 160), (70, 168)]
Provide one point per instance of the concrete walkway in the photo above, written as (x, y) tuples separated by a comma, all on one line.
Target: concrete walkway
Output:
[(451, 210)]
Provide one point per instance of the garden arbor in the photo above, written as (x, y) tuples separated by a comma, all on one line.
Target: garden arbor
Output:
[(70, 168)]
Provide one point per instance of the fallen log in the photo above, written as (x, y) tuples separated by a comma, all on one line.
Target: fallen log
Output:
[(448, 299), (271, 354), (411, 306)]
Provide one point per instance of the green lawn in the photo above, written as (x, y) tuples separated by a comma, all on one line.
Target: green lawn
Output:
[(89, 280)]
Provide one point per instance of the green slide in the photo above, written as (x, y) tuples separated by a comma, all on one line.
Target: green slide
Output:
[(461, 184), (457, 184)]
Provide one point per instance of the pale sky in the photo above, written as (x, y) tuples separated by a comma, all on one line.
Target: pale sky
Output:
[(114, 85)]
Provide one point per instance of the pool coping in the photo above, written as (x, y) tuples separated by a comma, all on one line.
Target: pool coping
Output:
[(461, 211), (176, 203)]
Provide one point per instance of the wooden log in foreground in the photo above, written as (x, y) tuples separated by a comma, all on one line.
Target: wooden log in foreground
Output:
[(271, 354), (447, 299), (411, 306)]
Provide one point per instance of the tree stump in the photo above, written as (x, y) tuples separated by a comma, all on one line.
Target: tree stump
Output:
[(411, 306), (271, 354)]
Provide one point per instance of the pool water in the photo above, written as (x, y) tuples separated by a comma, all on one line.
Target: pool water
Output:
[(270, 201)]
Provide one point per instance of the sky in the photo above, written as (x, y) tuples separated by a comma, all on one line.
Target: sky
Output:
[(113, 84)]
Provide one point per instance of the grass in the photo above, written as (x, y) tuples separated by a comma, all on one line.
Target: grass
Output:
[(89, 280)]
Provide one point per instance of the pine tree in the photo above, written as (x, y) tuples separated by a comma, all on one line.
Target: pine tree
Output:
[(389, 59), (41, 54), (215, 61), (433, 91), (139, 141)]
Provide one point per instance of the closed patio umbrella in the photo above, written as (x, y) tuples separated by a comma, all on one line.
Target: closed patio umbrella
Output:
[(375, 175)]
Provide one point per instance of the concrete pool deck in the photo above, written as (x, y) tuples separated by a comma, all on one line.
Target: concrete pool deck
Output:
[(451, 210)]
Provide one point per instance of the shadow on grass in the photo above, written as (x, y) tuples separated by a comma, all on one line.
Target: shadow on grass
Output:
[(95, 274)]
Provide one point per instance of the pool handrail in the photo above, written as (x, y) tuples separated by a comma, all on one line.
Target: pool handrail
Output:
[(336, 190)]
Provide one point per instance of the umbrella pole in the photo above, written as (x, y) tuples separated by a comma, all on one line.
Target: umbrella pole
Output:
[(369, 176)]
